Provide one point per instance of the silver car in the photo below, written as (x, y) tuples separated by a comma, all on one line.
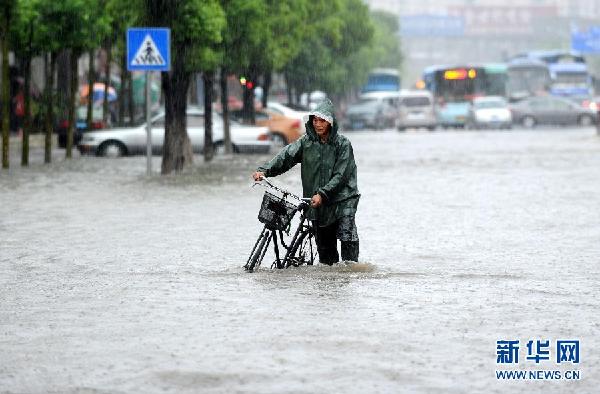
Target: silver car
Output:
[(132, 140), (553, 111)]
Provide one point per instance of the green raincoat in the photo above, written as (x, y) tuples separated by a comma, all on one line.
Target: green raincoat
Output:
[(326, 168)]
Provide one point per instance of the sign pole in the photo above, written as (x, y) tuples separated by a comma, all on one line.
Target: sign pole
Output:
[(148, 49), (148, 128)]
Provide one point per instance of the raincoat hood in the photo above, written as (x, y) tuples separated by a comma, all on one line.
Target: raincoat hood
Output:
[(325, 111)]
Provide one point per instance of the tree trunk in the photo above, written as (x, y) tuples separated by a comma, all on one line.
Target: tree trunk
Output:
[(27, 124), (107, 81), (90, 103), (6, 107), (72, 102), (27, 119), (209, 79), (225, 106), (49, 121), (63, 81), (122, 90), (177, 148), (266, 88)]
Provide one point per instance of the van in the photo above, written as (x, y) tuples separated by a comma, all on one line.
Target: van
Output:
[(415, 109), (374, 110)]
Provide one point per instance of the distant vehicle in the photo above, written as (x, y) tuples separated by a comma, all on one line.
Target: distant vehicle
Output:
[(490, 112), (283, 130), (312, 99), (285, 110), (570, 79), (415, 109), (382, 80), (551, 110), (552, 56), (370, 113), (453, 88), (132, 140), (526, 78), (568, 71)]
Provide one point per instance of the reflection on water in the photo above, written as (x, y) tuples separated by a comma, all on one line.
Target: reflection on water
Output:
[(114, 281)]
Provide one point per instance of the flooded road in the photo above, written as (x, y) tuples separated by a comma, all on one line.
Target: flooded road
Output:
[(111, 281)]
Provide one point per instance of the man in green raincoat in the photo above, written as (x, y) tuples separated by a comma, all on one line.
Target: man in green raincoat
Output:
[(328, 175)]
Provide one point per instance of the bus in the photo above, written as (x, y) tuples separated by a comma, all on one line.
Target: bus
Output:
[(570, 79), (454, 87), (526, 78), (382, 80), (568, 71)]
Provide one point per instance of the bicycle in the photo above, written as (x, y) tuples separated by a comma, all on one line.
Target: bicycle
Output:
[(276, 213)]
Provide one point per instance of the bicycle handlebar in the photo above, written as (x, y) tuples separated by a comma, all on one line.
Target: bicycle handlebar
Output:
[(280, 190)]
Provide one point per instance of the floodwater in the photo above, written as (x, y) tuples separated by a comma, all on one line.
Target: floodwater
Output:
[(111, 281)]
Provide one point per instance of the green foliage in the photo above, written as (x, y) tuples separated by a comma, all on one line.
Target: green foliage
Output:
[(121, 15), (196, 29), (286, 28), (246, 33), (327, 59), (387, 44)]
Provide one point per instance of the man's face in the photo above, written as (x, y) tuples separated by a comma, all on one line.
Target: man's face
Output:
[(321, 126)]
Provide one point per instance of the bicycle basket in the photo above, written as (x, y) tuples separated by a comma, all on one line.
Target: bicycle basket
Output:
[(275, 212)]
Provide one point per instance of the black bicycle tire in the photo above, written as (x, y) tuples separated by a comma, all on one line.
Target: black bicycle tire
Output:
[(260, 236), (295, 246), (257, 253)]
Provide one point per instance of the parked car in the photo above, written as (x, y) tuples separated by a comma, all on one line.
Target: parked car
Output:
[(283, 130), (132, 140), (489, 112), (551, 110), (287, 110), (415, 109), (371, 111)]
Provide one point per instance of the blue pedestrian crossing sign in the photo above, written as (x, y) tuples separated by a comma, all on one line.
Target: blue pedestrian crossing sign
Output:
[(148, 49)]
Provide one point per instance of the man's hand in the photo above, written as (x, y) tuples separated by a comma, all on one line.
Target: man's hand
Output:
[(258, 176), (316, 201)]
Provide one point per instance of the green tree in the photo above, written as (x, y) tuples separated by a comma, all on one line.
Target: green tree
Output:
[(196, 27), (243, 43), (73, 22), (53, 16), (97, 28), (123, 15), (286, 21), (385, 50), (25, 32), (340, 30)]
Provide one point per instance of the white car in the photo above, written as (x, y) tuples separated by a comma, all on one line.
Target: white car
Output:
[(489, 112), (132, 140)]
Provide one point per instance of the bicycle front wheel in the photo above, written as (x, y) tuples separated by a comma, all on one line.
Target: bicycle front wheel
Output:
[(259, 252)]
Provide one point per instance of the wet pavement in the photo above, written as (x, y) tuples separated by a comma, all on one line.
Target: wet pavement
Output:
[(112, 281)]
